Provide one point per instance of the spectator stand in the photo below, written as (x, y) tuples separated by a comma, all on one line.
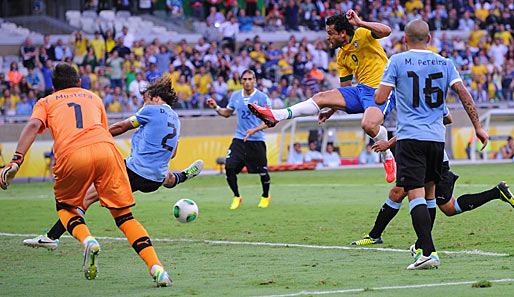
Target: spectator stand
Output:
[(347, 122)]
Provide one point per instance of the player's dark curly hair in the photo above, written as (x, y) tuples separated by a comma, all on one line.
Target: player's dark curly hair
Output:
[(340, 23), (65, 76), (162, 87)]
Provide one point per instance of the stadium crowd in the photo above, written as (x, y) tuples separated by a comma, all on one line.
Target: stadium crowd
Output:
[(117, 65)]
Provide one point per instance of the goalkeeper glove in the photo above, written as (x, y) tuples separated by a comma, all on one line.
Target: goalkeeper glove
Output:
[(9, 172)]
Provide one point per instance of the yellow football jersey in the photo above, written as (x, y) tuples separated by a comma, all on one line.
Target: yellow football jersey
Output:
[(362, 56)]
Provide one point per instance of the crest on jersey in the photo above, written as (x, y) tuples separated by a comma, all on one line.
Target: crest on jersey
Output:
[(356, 44)]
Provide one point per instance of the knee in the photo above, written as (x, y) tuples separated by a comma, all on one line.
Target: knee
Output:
[(322, 99), (265, 178), (397, 194), (448, 209), (370, 127)]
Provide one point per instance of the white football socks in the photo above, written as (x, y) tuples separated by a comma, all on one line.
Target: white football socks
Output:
[(382, 135), (305, 108)]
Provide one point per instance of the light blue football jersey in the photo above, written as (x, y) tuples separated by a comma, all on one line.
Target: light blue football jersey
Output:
[(245, 119), (421, 79), (155, 142)]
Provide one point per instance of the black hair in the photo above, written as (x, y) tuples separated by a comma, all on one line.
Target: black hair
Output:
[(162, 87), (340, 23), (65, 76), (248, 71)]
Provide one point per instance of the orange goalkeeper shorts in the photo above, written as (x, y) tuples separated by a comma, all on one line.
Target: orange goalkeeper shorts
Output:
[(98, 163)]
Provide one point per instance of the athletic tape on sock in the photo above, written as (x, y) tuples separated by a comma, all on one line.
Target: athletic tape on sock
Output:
[(415, 202), (392, 204)]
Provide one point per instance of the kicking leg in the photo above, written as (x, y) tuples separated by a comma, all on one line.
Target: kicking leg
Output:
[(174, 178), (140, 241), (332, 99)]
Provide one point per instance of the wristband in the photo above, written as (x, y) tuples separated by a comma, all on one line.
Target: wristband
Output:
[(17, 158), (217, 108)]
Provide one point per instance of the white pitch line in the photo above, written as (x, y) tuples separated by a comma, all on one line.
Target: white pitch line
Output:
[(386, 288), (272, 244)]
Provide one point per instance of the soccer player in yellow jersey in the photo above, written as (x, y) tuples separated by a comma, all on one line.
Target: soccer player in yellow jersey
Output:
[(361, 54)]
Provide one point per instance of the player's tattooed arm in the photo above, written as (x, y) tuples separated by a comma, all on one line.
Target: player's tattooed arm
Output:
[(467, 102), (469, 106)]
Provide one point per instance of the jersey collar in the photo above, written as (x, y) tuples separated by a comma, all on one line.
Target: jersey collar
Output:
[(243, 93), (420, 51)]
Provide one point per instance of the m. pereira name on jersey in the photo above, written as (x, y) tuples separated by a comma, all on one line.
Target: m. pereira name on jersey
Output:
[(408, 61)]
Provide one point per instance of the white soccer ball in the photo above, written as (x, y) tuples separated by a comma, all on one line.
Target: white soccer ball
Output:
[(185, 210)]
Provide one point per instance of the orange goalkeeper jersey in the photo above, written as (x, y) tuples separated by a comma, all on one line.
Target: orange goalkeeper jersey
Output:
[(76, 118)]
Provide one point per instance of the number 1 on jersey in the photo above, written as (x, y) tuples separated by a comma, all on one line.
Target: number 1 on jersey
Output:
[(78, 114)]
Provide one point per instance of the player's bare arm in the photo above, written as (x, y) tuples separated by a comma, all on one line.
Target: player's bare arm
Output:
[(27, 137), (251, 132), (224, 112), (469, 106), (379, 30), (121, 127), (383, 145), (382, 93)]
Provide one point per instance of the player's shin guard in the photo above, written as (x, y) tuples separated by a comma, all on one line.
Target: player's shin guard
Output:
[(232, 181), (265, 181), (422, 224), (74, 223), (137, 236), (385, 215)]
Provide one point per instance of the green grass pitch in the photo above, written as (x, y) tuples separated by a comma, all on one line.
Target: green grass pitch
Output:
[(321, 208)]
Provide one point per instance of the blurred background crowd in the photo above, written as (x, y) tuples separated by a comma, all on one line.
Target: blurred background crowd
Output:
[(117, 64)]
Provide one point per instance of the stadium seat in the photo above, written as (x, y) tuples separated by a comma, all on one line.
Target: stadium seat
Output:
[(72, 14), (9, 59), (89, 14), (88, 25), (122, 14), (107, 15)]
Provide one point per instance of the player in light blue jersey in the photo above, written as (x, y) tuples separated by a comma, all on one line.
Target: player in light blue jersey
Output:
[(444, 198), (247, 149), (422, 79), (154, 144)]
